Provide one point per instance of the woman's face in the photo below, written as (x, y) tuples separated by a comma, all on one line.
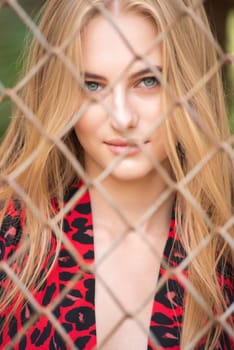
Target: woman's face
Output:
[(134, 100)]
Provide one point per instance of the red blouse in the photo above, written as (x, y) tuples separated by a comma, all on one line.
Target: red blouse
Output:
[(75, 313)]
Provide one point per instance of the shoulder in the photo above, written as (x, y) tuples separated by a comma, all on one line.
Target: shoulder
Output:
[(11, 229)]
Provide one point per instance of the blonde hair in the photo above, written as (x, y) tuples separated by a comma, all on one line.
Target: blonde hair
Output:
[(197, 126)]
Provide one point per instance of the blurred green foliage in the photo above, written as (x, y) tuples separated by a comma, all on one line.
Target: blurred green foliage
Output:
[(13, 32)]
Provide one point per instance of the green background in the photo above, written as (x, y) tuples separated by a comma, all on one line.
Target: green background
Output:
[(12, 37)]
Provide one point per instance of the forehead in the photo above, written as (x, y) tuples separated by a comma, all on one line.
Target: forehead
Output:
[(103, 44)]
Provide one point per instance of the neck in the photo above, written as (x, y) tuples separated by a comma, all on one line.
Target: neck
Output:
[(133, 200)]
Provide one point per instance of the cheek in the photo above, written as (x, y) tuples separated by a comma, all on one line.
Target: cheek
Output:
[(152, 119), (148, 109), (153, 124), (90, 122)]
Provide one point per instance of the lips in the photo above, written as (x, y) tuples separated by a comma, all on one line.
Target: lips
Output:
[(123, 143), (118, 146), (117, 143)]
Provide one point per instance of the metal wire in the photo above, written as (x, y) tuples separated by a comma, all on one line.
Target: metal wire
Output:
[(180, 187)]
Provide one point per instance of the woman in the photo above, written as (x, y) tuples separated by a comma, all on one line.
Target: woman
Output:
[(128, 93)]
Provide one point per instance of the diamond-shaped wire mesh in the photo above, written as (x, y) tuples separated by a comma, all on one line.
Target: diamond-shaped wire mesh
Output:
[(47, 156)]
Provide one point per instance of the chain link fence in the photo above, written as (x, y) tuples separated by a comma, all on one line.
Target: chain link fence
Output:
[(172, 186)]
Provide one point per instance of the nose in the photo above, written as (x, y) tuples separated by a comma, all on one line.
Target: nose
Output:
[(124, 115)]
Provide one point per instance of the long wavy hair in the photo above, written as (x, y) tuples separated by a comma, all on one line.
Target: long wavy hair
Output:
[(197, 130)]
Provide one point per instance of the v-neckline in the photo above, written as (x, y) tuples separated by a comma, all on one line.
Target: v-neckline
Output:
[(88, 251)]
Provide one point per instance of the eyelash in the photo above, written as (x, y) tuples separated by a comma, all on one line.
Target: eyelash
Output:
[(89, 83), (156, 82)]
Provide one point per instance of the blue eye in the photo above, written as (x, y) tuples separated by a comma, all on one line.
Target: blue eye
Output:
[(92, 86), (149, 82)]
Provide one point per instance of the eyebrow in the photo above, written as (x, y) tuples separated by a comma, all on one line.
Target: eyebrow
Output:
[(148, 70)]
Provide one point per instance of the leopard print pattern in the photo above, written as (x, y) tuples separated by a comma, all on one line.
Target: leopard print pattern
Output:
[(75, 312)]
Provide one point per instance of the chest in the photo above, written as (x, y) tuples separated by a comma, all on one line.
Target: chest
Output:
[(126, 279)]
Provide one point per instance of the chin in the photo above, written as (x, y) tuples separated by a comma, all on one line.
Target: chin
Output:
[(131, 174)]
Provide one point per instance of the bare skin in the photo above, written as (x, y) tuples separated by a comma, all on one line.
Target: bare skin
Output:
[(130, 271)]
